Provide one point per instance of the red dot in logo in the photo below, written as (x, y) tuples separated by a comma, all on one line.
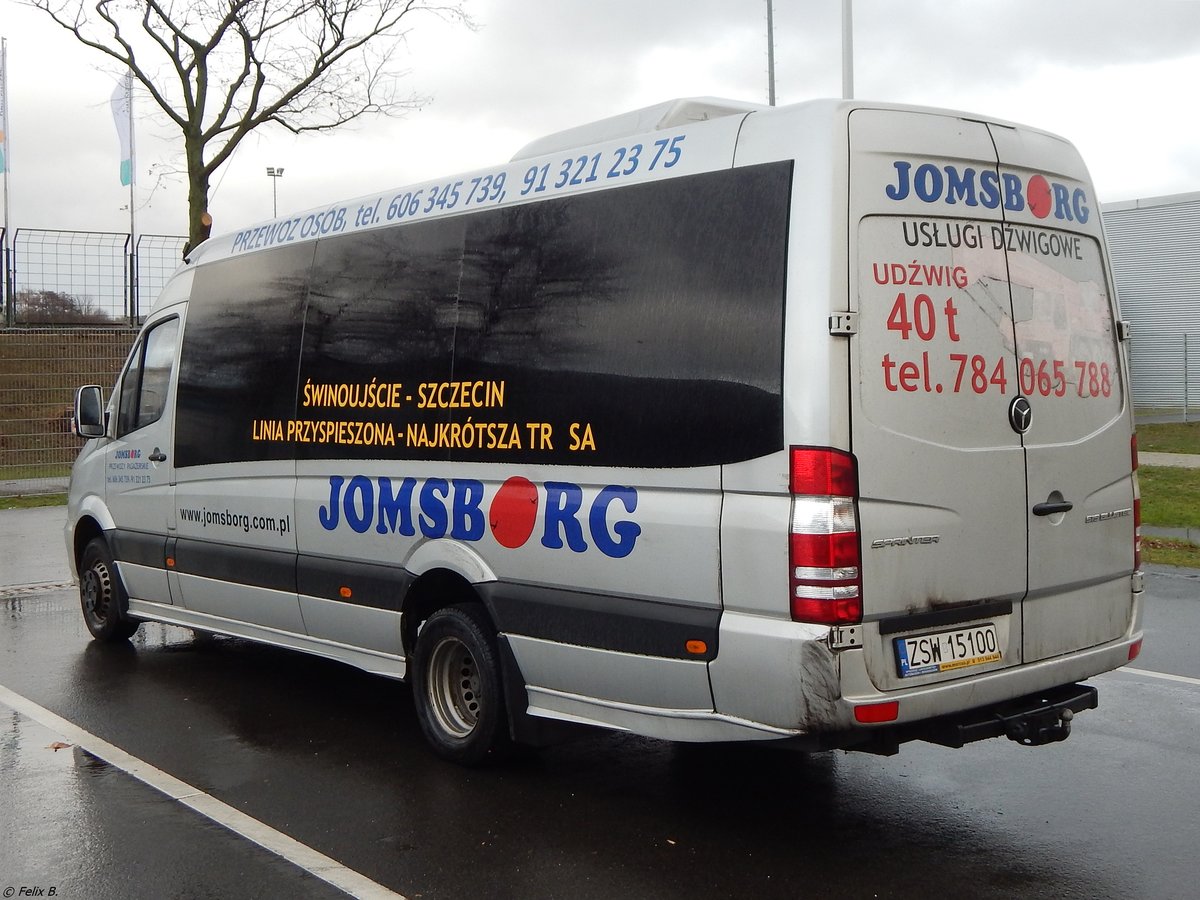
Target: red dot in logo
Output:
[(1038, 195), (513, 512)]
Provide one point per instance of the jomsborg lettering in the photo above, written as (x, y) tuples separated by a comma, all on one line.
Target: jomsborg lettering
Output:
[(438, 508), (949, 184)]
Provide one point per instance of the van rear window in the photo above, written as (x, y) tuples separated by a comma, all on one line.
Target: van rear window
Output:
[(957, 312)]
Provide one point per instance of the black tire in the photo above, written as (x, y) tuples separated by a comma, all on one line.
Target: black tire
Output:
[(457, 686), (102, 595)]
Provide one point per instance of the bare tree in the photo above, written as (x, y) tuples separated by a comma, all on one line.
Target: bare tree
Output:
[(53, 307), (221, 68)]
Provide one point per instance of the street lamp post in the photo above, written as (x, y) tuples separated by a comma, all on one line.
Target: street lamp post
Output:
[(274, 174), (770, 52)]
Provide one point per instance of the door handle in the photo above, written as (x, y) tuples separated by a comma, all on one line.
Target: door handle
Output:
[(157, 456), (1048, 508)]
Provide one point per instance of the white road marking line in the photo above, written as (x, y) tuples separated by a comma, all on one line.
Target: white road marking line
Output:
[(328, 870), (1165, 676)]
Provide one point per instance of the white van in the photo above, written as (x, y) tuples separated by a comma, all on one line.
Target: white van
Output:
[(706, 422)]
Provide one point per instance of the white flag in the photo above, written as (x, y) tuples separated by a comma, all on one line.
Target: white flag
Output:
[(122, 98)]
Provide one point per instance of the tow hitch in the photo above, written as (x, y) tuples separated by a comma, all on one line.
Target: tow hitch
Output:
[(1041, 727), (1031, 721), (1046, 718)]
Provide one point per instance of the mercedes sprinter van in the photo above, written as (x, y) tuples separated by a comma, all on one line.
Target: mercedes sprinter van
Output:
[(707, 422)]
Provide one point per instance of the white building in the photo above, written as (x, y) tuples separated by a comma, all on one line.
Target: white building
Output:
[(1155, 245)]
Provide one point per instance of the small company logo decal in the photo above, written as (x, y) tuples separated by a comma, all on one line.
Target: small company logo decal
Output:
[(988, 188)]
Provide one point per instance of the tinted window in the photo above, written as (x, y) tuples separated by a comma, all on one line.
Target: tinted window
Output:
[(380, 322), (640, 326), (147, 378), (237, 374)]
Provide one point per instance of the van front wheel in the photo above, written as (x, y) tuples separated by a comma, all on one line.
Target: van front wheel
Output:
[(457, 687), (102, 595)]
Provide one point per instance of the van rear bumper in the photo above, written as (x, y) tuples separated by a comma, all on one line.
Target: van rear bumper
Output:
[(1041, 718), (1032, 720), (989, 691), (805, 687)]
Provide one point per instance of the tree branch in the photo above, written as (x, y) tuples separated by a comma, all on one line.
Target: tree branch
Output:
[(236, 65)]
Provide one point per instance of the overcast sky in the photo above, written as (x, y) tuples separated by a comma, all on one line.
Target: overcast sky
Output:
[(1119, 78)]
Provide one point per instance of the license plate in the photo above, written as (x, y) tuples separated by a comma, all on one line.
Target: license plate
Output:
[(945, 651)]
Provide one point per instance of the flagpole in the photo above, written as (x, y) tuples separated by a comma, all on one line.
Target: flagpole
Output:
[(6, 157), (770, 52), (133, 285)]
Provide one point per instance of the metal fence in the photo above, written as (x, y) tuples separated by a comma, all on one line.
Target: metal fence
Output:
[(1166, 375), (40, 368), (158, 255), (59, 273), (85, 277), (71, 301)]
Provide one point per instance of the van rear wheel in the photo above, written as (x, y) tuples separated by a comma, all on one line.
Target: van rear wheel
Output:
[(457, 686), (102, 595)]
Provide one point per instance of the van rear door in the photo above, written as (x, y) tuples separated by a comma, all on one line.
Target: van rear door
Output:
[(1077, 446), (943, 511), (989, 419)]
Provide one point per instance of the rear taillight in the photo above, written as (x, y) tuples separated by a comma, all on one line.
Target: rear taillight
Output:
[(824, 551), (1137, 506)]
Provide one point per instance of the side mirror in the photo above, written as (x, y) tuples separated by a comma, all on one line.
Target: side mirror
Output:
[(89, 412)]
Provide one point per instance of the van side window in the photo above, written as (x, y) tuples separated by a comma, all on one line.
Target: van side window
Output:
[(643, 325), (144, 385), (638, 326), (240, 351)]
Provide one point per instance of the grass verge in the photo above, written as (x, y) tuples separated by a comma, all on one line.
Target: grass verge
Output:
[(1169, 437), (1170, 552), (31, 501), (1170, 497)]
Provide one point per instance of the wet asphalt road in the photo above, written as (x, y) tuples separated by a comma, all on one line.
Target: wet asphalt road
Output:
[(333, 758)]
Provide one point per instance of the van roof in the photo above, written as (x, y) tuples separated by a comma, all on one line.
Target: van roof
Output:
[(670, 114)]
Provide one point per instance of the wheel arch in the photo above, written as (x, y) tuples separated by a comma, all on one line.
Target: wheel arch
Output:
[(87, 528), (442, 587), (433, 590), (91, 519), (446, 574)]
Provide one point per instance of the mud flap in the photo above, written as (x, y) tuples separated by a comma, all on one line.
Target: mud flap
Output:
[(524, 729)]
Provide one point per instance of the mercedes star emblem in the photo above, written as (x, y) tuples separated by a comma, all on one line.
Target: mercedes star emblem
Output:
[(1020, 414)]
